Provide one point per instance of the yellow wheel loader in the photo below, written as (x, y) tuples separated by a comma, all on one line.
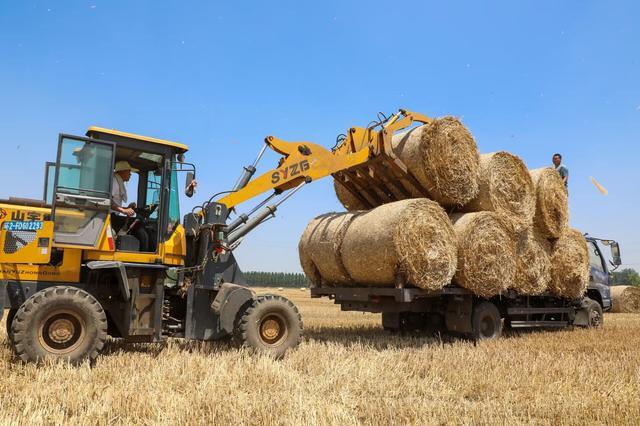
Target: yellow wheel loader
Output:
[(69, 278)]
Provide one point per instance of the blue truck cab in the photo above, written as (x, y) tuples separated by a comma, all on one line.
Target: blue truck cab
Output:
[(600, 273)]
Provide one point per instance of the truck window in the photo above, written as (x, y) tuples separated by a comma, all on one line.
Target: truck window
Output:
[(594, 258)]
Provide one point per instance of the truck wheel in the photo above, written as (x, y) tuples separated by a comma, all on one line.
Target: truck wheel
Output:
[(61, 323), (271, 324), (594, 310), (10, 316), (485, 321)]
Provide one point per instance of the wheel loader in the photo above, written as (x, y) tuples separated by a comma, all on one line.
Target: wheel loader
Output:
[(68, 280)]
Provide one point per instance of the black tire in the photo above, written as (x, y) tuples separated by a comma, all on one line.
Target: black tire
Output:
[(486, 322), (270, 324), (60, 323), (594, 312), (10, 316)]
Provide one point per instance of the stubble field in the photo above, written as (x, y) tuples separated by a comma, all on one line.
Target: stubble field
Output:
[(347, 371)]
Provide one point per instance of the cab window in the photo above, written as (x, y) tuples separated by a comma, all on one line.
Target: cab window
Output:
[(594, 258), (174, 202), (49, 180), (154, 187)]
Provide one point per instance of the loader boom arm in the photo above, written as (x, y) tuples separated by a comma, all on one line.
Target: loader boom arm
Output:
[(306, 161), (300, 160)]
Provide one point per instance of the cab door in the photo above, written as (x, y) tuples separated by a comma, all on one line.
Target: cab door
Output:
[(82, 191)]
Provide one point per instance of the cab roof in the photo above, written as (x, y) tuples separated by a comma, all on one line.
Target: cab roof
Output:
[(96, 132)]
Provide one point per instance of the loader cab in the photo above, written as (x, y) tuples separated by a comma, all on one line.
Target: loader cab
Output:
[(80, 183)]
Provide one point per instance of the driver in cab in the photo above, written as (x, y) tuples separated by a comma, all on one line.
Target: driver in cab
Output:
[(121, 216)]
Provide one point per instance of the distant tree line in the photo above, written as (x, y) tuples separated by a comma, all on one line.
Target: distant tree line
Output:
[(276, 279), (627, 276)]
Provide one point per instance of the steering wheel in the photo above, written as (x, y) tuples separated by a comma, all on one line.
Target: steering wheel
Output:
[(142, 215), (146, 211)]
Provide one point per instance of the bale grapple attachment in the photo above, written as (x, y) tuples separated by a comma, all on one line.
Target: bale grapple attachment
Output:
[(383, 178)]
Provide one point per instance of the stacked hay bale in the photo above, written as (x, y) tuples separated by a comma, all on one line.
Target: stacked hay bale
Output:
[(409, 240), (505, 227)]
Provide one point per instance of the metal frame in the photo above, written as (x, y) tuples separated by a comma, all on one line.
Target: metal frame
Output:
[(455, 303), (61, 138), (46, 180)]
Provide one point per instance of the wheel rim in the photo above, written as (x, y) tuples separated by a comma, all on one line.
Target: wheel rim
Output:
[(61, 332), (273, 329), (595, 318), (487, 327)]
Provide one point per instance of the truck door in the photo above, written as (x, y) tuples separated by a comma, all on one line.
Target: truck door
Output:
[(82, 191), (598, 272)]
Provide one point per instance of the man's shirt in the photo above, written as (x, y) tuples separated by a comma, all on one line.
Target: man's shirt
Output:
[(118, 192), (563, 171)]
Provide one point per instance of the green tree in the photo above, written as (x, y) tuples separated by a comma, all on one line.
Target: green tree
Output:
[(627, 276), (276, 279)]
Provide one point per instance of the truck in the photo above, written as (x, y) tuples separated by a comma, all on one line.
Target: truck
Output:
[(457, 311)]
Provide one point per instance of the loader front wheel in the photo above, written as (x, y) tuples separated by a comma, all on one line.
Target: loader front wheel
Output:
[(271, 324), (60, 323), (10, 316)]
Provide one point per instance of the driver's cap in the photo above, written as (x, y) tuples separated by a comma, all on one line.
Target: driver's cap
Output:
[(124, 165)]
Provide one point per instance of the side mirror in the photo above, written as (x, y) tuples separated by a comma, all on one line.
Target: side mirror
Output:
[(189, 188), (615, 254), (155, 199)]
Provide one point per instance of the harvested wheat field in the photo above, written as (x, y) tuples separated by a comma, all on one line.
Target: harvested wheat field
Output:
[(347, 371)]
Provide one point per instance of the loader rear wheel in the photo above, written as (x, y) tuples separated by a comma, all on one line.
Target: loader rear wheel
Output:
[(271, 324), (60, 323)]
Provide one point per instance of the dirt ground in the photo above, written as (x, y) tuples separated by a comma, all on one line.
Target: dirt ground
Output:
[(347, 371)]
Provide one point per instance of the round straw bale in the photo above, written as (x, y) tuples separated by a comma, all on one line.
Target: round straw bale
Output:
[(552, 206), (625, 299), (408, 241), (505, 186), (346, 198), (443, 156), (486, 253), (569, 265), (319, 249), (533, 264)]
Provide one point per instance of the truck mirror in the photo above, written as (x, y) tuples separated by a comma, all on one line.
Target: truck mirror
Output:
[(189, 188), (615, 254)]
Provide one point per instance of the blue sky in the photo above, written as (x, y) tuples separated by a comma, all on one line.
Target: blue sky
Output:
[(530, 77)]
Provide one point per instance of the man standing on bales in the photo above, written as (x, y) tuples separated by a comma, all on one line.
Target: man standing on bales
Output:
[(561, 169)]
